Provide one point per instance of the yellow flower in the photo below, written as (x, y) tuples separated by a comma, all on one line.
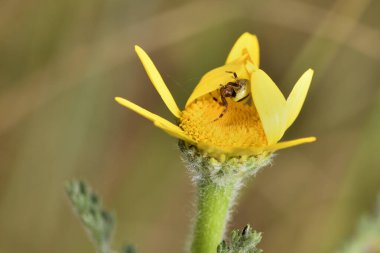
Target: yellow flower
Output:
[(249, 127)]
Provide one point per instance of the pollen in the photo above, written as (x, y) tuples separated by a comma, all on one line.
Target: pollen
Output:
[(239, 127)]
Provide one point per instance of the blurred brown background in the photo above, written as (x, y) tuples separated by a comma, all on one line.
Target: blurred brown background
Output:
[(63, 61)]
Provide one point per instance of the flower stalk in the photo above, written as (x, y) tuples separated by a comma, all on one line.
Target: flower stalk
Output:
[(218, 183), (213, 208)]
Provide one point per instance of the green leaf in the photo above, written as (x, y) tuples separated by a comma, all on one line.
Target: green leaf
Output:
[(98, 222), (244, 241)]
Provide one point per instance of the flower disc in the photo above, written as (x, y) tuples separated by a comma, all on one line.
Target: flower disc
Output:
[(239, 128)]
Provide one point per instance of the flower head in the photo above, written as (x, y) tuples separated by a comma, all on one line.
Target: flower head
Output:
[(218, 123)]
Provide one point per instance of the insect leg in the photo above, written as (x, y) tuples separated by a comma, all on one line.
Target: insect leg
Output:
[(234, 73), (214, 98), (225, 104), (224, 100), (222, 114)]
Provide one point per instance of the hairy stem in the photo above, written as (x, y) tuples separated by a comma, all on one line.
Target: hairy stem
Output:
[(213, 207)]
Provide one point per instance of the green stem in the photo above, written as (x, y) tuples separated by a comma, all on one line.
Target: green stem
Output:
[(214, 203)]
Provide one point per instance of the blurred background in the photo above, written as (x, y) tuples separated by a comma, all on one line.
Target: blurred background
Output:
[(63, 61)]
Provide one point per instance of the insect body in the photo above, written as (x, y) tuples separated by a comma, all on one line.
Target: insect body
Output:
[(237, 91)]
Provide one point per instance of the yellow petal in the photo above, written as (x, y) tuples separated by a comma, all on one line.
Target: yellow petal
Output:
[(246, 43), (297, 96), (212, 80), (175, 131), (288, 144), (158, 82), (162, 123), (270, 104)]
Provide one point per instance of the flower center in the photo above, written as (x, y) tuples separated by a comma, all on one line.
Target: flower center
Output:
[(239, 127)]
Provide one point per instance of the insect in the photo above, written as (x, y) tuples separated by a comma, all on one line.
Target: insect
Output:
[(237, 91)]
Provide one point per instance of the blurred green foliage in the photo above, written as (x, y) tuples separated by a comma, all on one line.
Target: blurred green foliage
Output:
[(97, 221), (63, 61), (367, 235)]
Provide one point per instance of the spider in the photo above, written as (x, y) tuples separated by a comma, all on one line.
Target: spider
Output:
[(237, 91)]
